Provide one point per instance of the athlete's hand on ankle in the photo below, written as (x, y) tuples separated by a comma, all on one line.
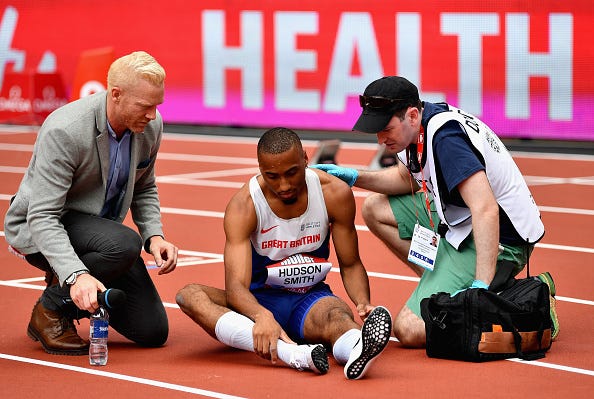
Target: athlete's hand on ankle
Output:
[(347, 175), (363, 309), (266, 333)]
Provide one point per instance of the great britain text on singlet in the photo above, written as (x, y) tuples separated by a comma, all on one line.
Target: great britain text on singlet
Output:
[(290, 244)]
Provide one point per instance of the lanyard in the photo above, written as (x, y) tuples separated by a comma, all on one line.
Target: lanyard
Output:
[(420, 146)]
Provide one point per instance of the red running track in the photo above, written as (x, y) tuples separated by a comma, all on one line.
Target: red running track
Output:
[(197, 176)]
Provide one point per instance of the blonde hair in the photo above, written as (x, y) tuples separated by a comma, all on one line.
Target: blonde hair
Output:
[(124, 71)]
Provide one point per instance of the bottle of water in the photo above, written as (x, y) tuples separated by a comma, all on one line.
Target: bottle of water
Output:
[(98, 337)]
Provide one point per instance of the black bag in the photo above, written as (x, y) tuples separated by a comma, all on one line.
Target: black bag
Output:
[(480, 325)]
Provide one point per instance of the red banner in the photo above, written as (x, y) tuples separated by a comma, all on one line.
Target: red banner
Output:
[(28, 98), (523, 67)]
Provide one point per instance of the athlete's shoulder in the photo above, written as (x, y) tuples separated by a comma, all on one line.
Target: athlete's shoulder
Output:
[(334, 189), (241, 201), (327, 181), (240, 214)]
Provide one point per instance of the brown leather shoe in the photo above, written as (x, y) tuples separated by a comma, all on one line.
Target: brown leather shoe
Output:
[(56, 333)]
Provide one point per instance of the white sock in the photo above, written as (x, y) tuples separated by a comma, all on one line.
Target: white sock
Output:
[(344, 345), (235, 330), (284, 351)]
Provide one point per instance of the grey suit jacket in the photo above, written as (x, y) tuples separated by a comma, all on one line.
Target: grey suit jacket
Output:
[(68, 171)]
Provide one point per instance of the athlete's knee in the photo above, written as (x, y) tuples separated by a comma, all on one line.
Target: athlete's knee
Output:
[(338, 318), (409, 329), (339, 314), (190, 295)]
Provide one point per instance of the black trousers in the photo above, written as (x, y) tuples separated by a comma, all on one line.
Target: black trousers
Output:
[(111, 252)]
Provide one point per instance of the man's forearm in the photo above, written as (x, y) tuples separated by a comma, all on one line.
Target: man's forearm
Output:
[(391, 181), (356, 284), (486, 239)]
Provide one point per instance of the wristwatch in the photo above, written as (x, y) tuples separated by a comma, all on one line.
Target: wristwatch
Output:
[(72, 278)]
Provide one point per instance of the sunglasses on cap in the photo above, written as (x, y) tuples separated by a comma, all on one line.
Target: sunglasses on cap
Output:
[(377, 101)]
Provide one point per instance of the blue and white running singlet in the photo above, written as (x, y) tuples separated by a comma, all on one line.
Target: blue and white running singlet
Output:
[(276, 239)]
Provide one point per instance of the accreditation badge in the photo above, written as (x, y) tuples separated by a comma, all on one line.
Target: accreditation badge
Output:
[(423, 247)]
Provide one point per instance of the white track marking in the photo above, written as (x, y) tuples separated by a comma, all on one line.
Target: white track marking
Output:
[(123, 377)]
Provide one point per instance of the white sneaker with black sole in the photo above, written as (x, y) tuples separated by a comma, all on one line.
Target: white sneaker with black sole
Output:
[(310, 357), (375, 335)]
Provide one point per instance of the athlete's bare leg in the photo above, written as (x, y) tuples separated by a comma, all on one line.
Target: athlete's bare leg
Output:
[(205, 305), (327, 320)]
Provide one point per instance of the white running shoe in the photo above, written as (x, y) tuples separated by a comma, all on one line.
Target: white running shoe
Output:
[(310, 357), (375, 335)]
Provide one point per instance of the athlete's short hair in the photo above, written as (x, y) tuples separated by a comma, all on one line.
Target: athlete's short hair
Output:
[(125, 71), (278, 140)]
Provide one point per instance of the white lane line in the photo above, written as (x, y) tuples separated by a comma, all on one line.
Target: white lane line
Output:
[(17, 129), (211, 174), (385, 276), (192, 212), (17, 284), (573, 211), (13, 169), (553, 366), (16, 147), (123, 377), (574, 300), (28, 280), (207, 159), (200, 183), (544, 180), (565, 248), (552, 156), (541, 364)]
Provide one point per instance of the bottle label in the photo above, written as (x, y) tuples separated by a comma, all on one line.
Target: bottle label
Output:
[(99, 329)]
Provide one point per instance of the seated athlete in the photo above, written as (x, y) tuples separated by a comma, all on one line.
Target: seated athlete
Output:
[(277, 231)]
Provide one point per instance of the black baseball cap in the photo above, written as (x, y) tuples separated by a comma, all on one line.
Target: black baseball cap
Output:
[(381, 99)]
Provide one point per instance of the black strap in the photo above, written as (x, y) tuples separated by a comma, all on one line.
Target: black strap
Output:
[(503, 275), (505, 270), (527, 253), (509, 325)]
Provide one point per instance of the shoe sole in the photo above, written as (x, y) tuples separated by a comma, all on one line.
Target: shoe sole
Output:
[(375, 334), (319, 358), (548, 280), (31, 333)]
